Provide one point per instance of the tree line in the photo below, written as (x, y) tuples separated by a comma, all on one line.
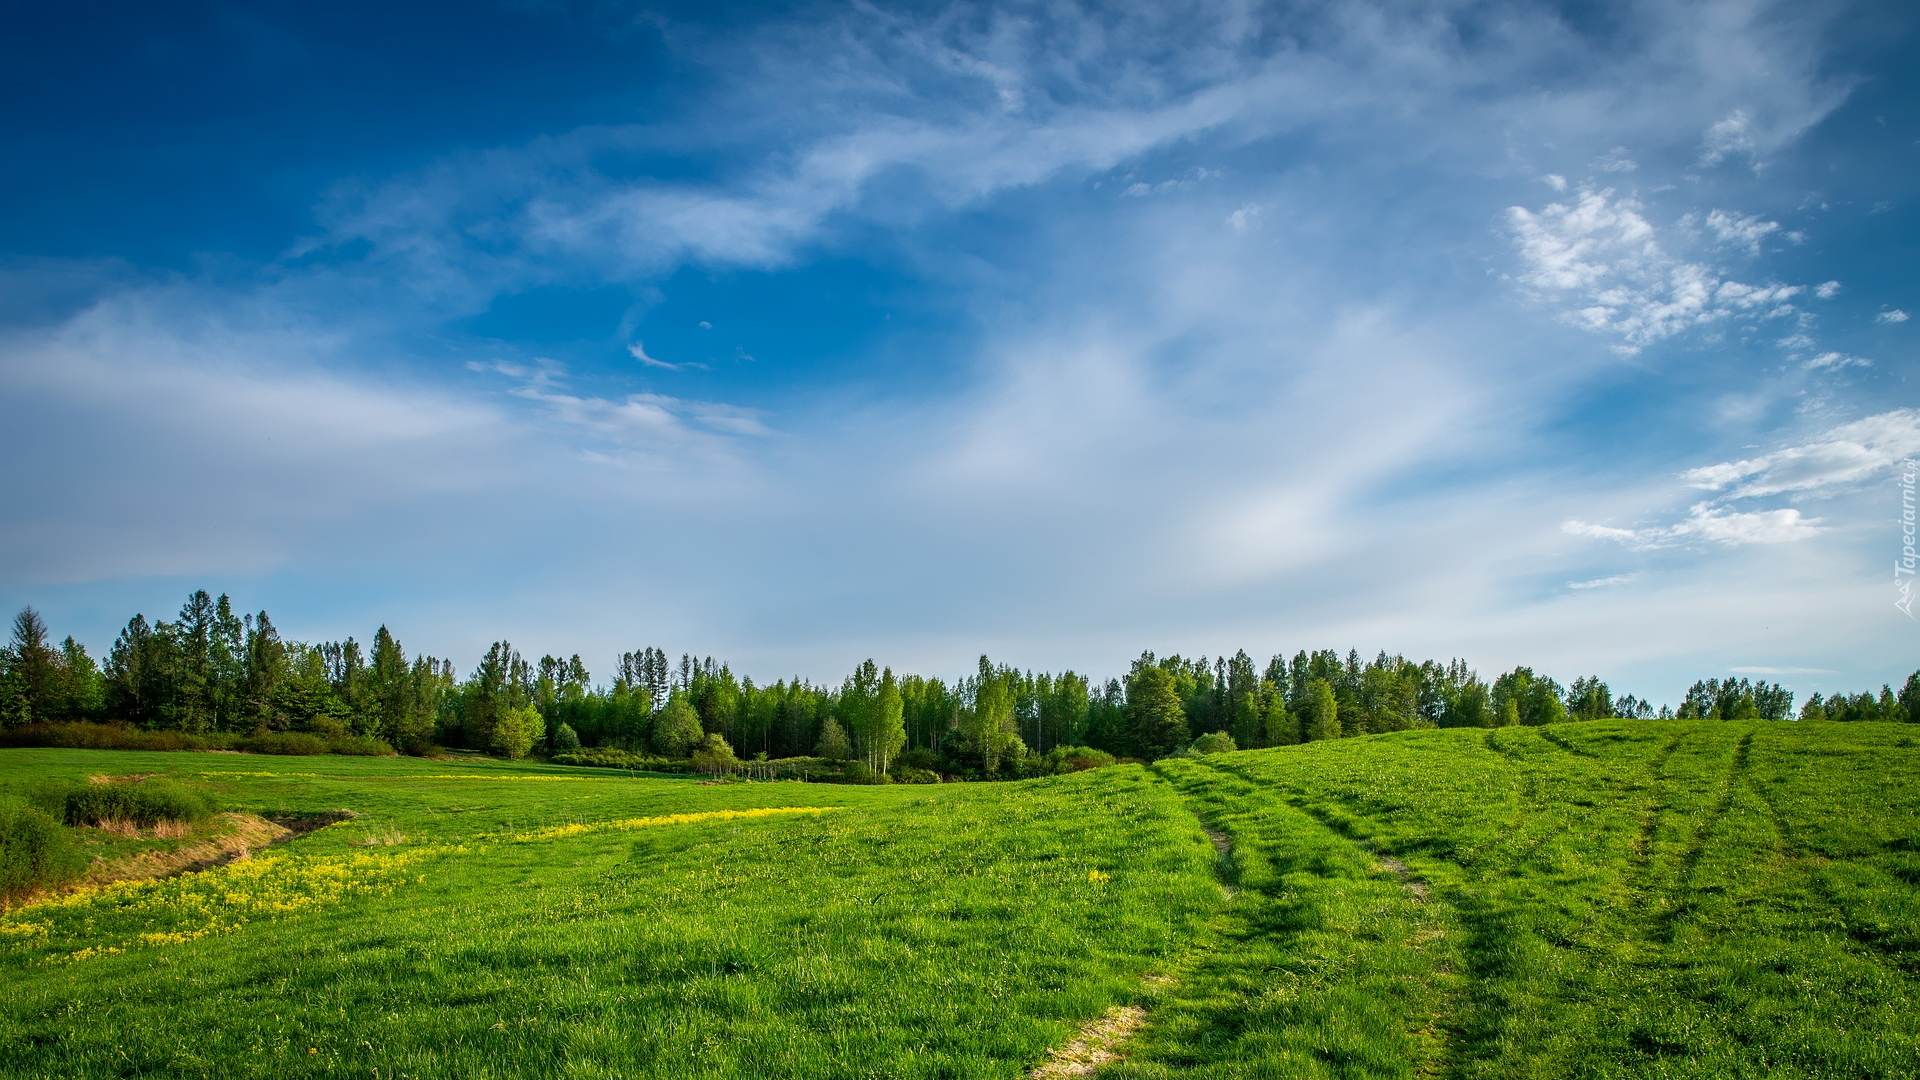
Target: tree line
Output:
[(212, 671)]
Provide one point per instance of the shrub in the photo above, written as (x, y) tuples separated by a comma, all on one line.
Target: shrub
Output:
[(359, 746), (420, 746), (713, 755), (140, 803), (290, 743), (910, 775), (82, 735), (859, 772), (1068, 759), (565, 738), (918, 758), (1214, 742), (608, 757), (35, 852)]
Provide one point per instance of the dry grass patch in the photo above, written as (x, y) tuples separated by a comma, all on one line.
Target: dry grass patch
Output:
[(1096, 1045), (234, 838)]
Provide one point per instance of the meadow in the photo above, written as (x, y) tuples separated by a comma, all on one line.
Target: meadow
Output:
[(1609, 898)]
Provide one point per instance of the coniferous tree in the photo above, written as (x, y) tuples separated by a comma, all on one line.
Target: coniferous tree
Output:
[(833, 742)]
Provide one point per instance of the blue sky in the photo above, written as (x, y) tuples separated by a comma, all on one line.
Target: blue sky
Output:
[(1572, 335)]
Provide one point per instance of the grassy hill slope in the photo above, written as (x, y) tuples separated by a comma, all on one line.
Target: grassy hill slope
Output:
[(1607, 899)]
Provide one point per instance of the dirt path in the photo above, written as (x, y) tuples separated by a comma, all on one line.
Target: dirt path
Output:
[(1097, 1044)]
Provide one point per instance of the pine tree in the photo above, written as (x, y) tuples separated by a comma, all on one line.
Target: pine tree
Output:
[(33, 668), (833, 742)]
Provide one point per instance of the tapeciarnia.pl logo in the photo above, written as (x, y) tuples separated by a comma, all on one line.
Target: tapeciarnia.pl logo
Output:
[(1903, 566)]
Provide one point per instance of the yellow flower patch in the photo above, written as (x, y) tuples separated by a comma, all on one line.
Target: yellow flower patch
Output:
[(580, 829), (155, 913)]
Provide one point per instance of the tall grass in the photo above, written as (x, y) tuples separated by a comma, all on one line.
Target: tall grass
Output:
[(35, 851), (140, 803)]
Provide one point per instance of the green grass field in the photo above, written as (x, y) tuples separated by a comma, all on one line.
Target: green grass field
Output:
[(1616, 898)]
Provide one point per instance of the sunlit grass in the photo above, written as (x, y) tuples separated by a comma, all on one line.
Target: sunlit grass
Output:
[(957, 931), (1615, 899)]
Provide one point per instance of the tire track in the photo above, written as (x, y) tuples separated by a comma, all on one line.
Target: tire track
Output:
[(1640, 856), (1437, 1031)]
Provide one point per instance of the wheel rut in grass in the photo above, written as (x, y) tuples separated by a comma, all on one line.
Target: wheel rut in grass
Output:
[(1098, 1043), (1291, 921), (1640, 858), (1560, 741)]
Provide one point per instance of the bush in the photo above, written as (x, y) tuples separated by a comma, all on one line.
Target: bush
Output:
[(713, 755), (359, 746), (420, 746), (608, 757), (139, 803), (910, 775), (565, 738), (1069, 759), (288, 743), (918, 758), (82, 735), (1214, 742), (35, 852)]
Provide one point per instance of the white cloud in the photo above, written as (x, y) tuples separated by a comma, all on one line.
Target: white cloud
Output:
[(1576, 527), (191, 442), (1827, 290), (1741, 231), (1893, 316), (1616, 161), (638, 351), (1707, 522), (1835, 361), (1244, 219), (1603, 256), (1727, 526), (1730, 135), (656, 427), (1602, 582), (1843, 456)]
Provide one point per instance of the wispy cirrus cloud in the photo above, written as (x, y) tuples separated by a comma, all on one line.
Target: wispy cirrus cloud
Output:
[(1841, 457), (1839, 460), (1707, 523), (655, 427)]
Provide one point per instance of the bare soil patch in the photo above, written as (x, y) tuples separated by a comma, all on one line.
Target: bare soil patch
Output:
[(1096, 1045)]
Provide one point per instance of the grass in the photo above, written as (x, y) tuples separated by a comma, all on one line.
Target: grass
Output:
[(1588, 900), (954, 932), (1608, 899)]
